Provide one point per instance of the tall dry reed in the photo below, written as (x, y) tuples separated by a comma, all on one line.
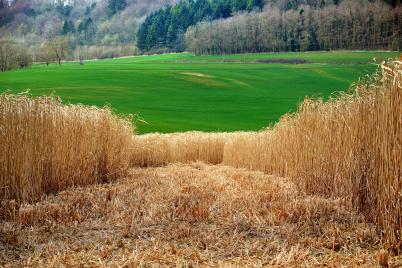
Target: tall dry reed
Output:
[(349, 146), (160, 149), (47, 146)]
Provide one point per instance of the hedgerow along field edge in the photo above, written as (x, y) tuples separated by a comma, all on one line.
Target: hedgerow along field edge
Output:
[(180, 92)]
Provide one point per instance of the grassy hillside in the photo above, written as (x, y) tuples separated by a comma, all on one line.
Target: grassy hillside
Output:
[(178, 92)]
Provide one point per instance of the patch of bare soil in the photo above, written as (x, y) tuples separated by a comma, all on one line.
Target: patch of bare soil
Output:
[(189, 215)]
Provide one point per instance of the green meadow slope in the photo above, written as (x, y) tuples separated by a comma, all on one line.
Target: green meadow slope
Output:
[(180, 92)]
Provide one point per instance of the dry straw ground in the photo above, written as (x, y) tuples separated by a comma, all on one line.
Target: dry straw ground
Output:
[(335, 200), (190, 215)]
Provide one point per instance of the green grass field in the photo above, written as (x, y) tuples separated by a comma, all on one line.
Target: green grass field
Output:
[(180, 92)]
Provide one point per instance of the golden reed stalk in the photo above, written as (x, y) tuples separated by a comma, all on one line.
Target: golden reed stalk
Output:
[(47, 146), (160, 149), (349, 146)]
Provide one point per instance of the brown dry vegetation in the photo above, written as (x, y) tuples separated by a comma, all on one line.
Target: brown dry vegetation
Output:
[(47, 146), (338, 201), (190, 215), (347, 147), (160, 149)]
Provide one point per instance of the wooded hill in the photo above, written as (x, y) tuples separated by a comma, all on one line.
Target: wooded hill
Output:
[(115, 28), (83, 22), (165, 28), (238, 26), (350, 25)]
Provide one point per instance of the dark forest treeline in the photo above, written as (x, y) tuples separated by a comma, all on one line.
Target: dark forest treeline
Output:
[(166, 27), (350, 25)]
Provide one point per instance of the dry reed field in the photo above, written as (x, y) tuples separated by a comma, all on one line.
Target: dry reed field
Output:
[(348, 147), (320, 188), (161, 149), (47, 146)]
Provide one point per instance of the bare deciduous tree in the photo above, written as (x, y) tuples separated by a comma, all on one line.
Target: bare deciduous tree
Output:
[(349, 25), (7, 52), (13, 55), (60, 48), (46, 54)]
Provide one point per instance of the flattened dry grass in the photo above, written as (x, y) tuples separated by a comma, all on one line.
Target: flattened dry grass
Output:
[(190, 215)]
